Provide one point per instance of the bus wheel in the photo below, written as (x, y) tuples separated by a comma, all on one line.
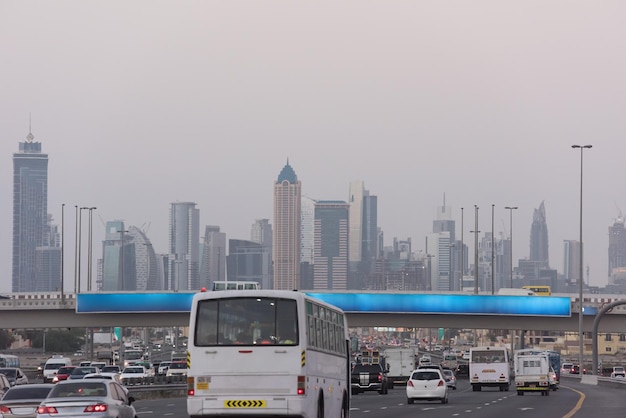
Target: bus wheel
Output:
[(320, 407), (344, 407), (476, 388)]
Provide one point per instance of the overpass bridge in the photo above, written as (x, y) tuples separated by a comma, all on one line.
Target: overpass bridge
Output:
[(406, 309)]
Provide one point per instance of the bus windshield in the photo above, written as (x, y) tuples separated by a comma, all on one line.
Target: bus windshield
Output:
[(246, 321)]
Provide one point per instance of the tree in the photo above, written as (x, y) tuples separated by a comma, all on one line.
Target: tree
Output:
[(6, 339)]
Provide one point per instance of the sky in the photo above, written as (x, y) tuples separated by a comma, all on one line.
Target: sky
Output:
[(140, 104)]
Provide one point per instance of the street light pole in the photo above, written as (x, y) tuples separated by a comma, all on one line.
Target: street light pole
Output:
[(475, 232), (80, 236), (62, 250), (461, 269), (492, 253), (89, 249), (580, 278), (511, 209)]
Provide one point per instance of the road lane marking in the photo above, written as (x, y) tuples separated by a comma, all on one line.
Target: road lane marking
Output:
[(578, 405)]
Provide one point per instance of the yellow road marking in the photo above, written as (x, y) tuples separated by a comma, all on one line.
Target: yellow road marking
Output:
[(578, 405)]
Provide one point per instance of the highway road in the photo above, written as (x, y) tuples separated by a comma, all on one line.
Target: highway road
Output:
[(573, 400)]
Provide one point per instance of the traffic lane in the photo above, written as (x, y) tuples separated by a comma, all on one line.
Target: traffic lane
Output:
[(488, 403), (168, 407), (596, 400)]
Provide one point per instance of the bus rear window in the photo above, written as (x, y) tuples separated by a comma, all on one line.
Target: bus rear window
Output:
[(246, 321)]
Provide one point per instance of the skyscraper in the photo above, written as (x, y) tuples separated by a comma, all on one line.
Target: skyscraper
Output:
[(307, 212), (363, 224), (249, 261), (213, 263), (119, 270), (617, 245), (184, 246), (30, 215), (539, 238), (261, 232), (330, 269), (286, 252), (571, 261)]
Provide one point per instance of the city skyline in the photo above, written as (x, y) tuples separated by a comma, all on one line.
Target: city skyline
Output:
[(202, 102)]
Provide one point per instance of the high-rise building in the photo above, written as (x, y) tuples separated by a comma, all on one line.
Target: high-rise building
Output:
[(249, 261), (48, 259), (330, 266), (539, 238), (617, 245), (184, 251), (261, 232), (571, 261), (287, 218), (307, 215), (438, 250), (30, 219), (119, 269), (213, 262), (363, 224)]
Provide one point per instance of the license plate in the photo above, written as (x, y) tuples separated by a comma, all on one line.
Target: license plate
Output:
[(245, 404)]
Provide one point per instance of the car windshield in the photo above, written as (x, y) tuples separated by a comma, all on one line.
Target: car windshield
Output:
[(84, 370), (82, 389), (65, 370), (425, 376), (54, 366), (178, 366), (448, 372), (133, 370), (9, 372), (113, 369), (27, 392)]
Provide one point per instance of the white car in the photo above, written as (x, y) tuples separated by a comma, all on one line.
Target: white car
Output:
[(428, 385), (133, 372), (618, 372), (163, 366)]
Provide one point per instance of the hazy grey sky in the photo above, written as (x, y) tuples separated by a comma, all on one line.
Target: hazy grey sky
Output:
[(142, 103)]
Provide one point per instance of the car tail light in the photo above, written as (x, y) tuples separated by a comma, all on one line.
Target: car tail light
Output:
[(43, 409), (301, 389), (99, 407), (190, 386), (410, 383), (4, 410), (441, 383), (380, 377)]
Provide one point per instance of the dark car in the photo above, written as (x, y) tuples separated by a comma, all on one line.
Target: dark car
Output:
[(462, 370), (63, 373), (576, 370), (80, 372), (369, 377)]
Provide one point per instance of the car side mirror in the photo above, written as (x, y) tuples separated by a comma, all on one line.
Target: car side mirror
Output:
[(131, 400)]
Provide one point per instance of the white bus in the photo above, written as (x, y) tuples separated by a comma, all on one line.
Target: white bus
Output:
[(9, 360), (267, 353), (236, 285), (490, 367)]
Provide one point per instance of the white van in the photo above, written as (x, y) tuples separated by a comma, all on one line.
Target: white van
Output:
[(52, 366)]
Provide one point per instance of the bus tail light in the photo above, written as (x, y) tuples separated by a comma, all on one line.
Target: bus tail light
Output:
[(301, 385), (190, 386)]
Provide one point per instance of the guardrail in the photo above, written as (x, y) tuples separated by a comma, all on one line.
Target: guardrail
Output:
[(155, 380)]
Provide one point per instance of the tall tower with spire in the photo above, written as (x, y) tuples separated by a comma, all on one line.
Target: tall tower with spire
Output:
[(287, 222), (30, 215), (539, 238)]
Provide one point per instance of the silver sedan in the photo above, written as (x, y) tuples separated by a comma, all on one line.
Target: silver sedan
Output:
[(96, 398)]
